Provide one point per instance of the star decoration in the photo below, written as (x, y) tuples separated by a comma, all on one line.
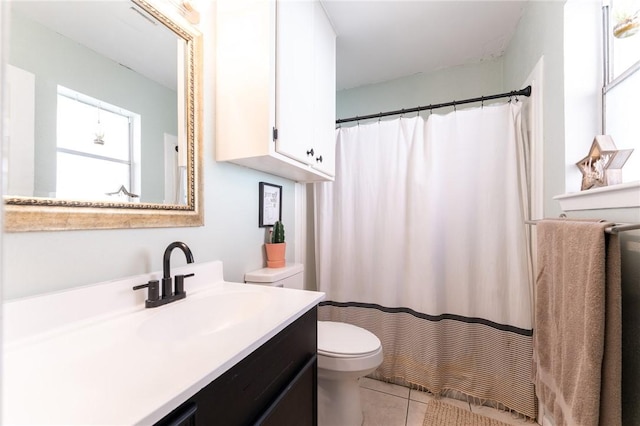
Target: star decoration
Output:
[(603, 165)]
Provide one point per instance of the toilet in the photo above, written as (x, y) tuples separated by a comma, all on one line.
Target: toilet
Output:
[(345, 353)]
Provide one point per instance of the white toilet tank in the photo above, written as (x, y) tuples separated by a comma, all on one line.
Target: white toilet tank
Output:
[(291, 276)]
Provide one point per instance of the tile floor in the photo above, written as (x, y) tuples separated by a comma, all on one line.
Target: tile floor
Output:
[(385, 404)]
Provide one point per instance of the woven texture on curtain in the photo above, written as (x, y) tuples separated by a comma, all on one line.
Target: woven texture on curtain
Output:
[(421, 240)]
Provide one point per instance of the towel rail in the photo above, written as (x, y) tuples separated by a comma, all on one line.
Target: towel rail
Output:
[(618, 227)]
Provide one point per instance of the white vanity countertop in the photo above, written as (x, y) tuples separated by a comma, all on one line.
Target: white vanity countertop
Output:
[(122, 364)]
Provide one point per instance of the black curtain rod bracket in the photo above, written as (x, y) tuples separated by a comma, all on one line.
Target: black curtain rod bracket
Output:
[(514, 93)]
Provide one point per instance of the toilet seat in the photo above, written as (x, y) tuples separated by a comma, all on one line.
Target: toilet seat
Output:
[(342, 340)]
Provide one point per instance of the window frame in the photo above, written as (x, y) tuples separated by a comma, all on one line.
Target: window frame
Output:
[(132, 119), (611, 82)]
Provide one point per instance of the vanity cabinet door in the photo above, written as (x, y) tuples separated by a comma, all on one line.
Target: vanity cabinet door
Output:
[(296, 405), (183, 416)]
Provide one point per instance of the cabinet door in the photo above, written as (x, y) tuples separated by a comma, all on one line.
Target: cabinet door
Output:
[(296, 405), (183, 416), (294, 78), (324, 88), (245, 79)]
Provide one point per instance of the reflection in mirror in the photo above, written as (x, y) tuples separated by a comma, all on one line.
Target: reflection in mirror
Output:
[(95, 145), (102, 109)]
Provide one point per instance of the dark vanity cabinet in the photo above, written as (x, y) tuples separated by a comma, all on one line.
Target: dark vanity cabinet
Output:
[(274, 385)]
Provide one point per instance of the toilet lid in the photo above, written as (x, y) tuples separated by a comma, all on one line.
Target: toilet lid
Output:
[(339, 339)]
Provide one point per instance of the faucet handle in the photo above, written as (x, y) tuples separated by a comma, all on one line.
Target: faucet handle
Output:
[(180, 283), (154, 289)]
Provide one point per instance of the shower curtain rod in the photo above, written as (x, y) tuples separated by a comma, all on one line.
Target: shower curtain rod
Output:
[(523, 92), (618, 227)]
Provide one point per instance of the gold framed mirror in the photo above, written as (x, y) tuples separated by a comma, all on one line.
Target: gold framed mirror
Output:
[(61, 176)]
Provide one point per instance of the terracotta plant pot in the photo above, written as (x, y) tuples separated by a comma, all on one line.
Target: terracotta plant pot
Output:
[(275, 254)]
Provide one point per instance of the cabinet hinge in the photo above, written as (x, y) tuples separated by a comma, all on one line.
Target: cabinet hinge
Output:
[(275, 134)]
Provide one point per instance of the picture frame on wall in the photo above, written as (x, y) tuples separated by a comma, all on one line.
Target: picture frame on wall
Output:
[(270, 200)]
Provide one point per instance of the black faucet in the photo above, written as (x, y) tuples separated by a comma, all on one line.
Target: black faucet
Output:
[(169, 294), (166, 269)]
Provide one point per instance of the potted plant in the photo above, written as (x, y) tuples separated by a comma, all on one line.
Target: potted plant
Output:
[(276, 248)]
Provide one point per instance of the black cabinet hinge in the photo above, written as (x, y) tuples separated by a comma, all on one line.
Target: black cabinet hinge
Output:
[(275, 134)]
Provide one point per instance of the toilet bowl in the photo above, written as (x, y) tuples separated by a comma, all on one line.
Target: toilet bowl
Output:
[(345, 353)]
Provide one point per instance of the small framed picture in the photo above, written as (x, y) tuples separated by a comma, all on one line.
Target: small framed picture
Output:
[(270, 204)]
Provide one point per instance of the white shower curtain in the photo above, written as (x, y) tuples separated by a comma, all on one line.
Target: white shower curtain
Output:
[(421, 239)]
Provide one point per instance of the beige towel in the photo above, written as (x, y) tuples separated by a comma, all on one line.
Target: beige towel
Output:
[(577, 331)]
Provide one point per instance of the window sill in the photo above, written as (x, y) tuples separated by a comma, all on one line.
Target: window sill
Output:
[(624, 195)]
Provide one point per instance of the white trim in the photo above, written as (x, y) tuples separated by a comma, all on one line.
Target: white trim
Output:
[(536, 150), (622, 77), (300, 217), (4, 35), (625, 195), (536, 125)]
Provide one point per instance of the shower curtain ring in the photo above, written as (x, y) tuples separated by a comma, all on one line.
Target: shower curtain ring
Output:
[(430, 110), (482, 102), (454, 106), (379, 116)]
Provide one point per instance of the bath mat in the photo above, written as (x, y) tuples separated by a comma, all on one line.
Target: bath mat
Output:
[(441, 414)]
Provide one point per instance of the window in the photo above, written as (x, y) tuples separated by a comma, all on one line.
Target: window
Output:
[(622, 80), (94, 149)]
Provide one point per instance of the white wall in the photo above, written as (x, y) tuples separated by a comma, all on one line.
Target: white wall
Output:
[(38, 262), (568, 35), (582, 83), (445, 85), (540, 33)]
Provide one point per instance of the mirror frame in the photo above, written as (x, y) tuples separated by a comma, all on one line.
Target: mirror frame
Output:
[(50, 214)]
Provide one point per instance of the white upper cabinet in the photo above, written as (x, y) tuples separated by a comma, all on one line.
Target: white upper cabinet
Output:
[(276, 71), (324, 84)]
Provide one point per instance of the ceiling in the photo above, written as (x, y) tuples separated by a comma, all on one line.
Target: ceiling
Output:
[(118, 30), (380, 40)]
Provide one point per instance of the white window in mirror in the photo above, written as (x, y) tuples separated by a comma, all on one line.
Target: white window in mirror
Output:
[(625, 41), (622, 85), (97, 150)]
